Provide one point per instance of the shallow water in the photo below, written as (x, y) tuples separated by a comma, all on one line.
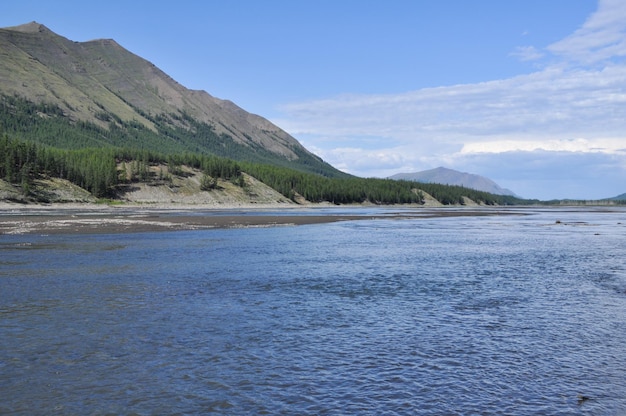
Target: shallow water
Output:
[(491, 315)]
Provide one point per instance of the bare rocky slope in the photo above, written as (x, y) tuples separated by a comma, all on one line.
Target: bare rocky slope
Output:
[(178, 190), (181, 191)]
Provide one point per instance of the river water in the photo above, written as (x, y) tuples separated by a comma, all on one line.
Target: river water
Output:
[(468, 315)]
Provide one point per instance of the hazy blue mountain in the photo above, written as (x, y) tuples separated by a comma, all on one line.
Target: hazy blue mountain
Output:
[(447, 176), (621, 197)]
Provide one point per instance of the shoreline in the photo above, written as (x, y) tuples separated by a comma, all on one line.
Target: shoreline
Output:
[(106, 219), (80, 218)]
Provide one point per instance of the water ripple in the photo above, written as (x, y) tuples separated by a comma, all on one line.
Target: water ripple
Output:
[(439, 316)]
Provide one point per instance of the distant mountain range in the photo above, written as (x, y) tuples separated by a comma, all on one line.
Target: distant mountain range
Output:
[(101, 83), (446, 176)]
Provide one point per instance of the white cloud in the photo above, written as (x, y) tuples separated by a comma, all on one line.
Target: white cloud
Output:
[(552, 103), (565, 109), (527, 53), (609, 146), (601, 37)]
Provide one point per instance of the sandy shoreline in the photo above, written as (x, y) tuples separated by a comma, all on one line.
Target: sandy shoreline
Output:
[(104, 219)]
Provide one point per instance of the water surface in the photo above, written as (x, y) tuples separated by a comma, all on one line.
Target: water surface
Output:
[(491, 315)]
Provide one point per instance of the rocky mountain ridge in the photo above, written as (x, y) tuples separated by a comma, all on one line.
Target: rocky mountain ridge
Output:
[(102, 83)]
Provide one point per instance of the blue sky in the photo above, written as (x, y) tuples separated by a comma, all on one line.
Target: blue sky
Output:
[(530, 93)]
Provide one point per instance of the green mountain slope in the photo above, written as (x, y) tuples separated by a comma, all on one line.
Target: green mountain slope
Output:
[(88, 94)]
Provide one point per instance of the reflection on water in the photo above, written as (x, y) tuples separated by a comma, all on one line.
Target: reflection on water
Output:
[(500, 315)]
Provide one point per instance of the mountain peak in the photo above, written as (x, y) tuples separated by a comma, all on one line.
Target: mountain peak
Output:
[(102, 83), (32, 27), (448, 176)]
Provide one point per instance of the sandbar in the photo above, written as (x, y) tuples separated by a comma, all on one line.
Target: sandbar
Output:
[(73, 219)]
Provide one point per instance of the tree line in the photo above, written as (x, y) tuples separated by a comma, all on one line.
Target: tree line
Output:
[(96, 169), (316, 188), (45, 123)]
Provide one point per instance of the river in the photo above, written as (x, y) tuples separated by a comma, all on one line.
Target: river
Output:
[(516, 314)]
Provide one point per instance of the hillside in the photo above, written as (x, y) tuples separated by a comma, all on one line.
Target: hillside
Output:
[(621, 197), (113, 173), (452, 177), (184, 189), (97, 93), (90, 121)]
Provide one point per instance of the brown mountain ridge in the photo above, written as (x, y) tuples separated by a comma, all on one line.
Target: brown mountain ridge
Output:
[(89, 79)]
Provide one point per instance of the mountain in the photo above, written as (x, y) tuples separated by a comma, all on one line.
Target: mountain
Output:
[(452, 177), (115, 97), (621, 197)]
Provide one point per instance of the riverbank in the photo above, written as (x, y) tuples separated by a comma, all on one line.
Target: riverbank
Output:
[(94, 218)]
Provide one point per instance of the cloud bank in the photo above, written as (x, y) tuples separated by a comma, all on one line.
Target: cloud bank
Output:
[(556, 133)]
